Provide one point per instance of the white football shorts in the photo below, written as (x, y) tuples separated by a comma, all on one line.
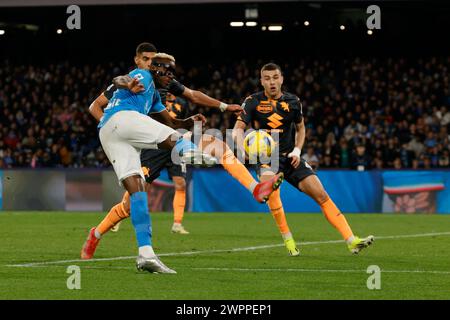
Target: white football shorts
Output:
[(123, 137)]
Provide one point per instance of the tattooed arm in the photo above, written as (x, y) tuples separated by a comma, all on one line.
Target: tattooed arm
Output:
[(129, 83)]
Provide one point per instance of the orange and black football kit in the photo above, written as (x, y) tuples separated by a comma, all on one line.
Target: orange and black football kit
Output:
[(281, 116)]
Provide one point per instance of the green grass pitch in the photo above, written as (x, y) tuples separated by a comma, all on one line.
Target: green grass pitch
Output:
[(412, 252)]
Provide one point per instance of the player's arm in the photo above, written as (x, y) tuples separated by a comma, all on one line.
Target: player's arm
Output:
[(97, 106), (241, 123), (200, 98), (129, 83), (238, 136), (165, 118), (299, 139), (162, 115), (301, 134)]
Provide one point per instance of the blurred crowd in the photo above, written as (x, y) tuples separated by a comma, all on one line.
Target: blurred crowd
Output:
[(360, 113)]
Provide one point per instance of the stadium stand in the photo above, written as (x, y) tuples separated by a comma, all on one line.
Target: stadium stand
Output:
[(360, 113)]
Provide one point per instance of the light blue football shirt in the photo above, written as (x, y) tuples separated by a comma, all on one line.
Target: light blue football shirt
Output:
[(145, 102)]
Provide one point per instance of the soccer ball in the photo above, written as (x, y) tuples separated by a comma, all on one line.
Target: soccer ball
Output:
[(259, 145)]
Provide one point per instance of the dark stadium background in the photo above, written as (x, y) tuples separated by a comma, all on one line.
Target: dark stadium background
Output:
[(201, 32)]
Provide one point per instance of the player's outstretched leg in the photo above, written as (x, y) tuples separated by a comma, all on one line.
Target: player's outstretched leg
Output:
[(260, 191), (179, 203), (312, 186)]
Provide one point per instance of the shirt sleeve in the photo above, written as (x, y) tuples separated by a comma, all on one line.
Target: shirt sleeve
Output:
[(249, 105), (175, 88), (109, 92)]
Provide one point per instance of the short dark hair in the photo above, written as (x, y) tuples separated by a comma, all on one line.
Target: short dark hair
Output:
[(145, 47), (270, 67)]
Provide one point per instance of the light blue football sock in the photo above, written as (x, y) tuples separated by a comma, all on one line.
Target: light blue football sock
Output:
[(140, 218)]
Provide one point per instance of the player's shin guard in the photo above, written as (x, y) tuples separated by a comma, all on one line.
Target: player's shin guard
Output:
[(336, 218), (140, 219), (238, 171)]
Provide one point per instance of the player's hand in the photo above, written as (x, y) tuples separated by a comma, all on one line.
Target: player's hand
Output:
[(197, 117), (235, 108), (135, 86), (295, 156), (295, 161)]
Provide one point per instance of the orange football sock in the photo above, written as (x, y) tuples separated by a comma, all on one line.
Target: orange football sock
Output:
[(238, 171), (336, 218), (179, 202), (115, 215), (276, 208)]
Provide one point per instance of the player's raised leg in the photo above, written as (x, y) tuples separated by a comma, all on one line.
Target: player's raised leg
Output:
[(261, 191), (312, 186)]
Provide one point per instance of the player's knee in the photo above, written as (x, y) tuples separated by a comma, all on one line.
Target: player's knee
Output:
[(170, 142), (180, 183), (321, 196)]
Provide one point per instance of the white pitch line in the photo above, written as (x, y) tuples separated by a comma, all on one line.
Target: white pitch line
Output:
[(32, 264), (109, 268), (270, 269)]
